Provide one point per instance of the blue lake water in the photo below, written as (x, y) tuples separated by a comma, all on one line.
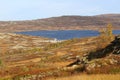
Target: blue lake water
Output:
[(65, 34)]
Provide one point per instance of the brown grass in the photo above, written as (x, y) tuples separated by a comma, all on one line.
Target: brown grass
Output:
[(90, 77)]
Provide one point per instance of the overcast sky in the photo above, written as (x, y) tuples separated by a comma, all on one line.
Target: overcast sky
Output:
[(37, 9)]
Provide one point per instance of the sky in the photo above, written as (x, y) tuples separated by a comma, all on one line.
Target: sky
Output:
[(38, 9)]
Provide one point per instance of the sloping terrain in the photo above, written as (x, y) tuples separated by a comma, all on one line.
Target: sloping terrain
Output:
[(61, 59), (62, 23), (11, 42)]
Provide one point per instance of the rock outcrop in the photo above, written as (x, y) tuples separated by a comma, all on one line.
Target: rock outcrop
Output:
[(103, 57)]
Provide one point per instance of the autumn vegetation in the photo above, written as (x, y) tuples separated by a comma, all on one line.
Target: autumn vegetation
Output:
[(49, 61), (90, 77)]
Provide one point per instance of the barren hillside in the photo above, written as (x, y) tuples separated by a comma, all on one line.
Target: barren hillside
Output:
[(62, 23)]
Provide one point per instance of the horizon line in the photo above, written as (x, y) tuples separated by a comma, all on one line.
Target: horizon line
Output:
[(57, 16)]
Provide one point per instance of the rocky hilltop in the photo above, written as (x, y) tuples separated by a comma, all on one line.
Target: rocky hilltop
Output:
[(62, 23)]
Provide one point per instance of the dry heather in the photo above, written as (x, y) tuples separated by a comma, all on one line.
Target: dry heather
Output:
[(90, 77), (51, 60)]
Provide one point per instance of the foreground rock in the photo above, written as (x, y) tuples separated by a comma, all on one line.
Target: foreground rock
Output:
[(100, 58)]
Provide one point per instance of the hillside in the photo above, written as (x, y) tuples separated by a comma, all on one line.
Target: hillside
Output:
[(15, 43), (63, 22), (45, 60)]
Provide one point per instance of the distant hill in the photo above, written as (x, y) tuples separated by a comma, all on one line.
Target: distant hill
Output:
[(62, 23), (115, 16)]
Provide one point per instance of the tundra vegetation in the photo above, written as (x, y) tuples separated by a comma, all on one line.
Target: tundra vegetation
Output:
[(91, 58)]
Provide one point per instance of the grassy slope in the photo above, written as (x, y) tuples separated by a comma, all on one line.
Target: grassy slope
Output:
[(57, 54), (90, 77)]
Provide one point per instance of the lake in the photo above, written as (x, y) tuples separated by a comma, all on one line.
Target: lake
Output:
[(64, 34)]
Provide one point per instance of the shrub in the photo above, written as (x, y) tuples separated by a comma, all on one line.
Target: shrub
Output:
[(25, 68), (1, 63), (107, 33), (115, 70)]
